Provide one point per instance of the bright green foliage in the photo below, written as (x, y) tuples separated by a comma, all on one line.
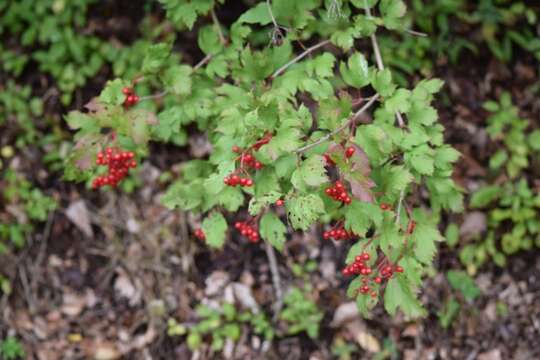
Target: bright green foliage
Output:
[(463, 283), (219, 325), (505, 126), (48, 29), (34, 206), (301, 314), (250, 88), (214, 227), (18, 107), (11, 348), (513, 223), (448, 313)]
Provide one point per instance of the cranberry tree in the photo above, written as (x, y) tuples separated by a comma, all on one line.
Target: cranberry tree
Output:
[(304, 128)]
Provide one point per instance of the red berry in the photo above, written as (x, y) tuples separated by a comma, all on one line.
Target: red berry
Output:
[(329, 160), (127, 90), (411, 226), (378, 280), (249, 182), (349, 152), (280, 202), (385, 206), (399, 269), (236, 149), (365, 256)]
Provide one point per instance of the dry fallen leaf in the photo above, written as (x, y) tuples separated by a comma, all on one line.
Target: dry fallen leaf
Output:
[(363, 337), (77, 213), (344, 313)]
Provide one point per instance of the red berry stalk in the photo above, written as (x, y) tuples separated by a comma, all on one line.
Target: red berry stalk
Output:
[(118, 162)]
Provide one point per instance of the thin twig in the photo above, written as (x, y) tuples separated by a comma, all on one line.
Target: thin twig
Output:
[(218, 26), (378, 59), (154, 96), (400, 204), (276, 279), (298, 58), (342, 127), (197, 66), (416, 33), (272, 14), (203, 62)]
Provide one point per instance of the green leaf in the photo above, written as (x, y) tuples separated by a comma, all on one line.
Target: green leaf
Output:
[(398, 102), (112, 93), (177, 79), (421, 159), (311, 173), (257, 15), (393, 8), (399, 294), (425, 115), (486, 195), (460, 281), (424, 237), (184, 196), (389, 237), (215, 227), (285, 141), (534, 140), (393, 179), (381, 81), (452, 234), (273, 230), (231, 198), (304, 210), (209, 40), (356, 72), (360, 216), (256, 204), (155, 57), (374, 141)]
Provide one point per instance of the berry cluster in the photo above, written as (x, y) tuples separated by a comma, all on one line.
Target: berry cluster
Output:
[(247, 230), (249, 161), (337, 233), (131, 97), (235, 180), (118, 162), (359, 266), (199, 234), (338, 193), (389, 270)]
